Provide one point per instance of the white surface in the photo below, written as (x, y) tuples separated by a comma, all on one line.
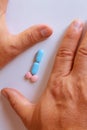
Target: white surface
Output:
[(20, 15)]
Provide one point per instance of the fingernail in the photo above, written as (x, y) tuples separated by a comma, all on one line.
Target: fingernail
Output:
[(4, 93), (46, 32), (78, 25)]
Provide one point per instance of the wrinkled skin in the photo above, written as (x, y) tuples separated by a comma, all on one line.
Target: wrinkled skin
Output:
[(63, 105), (12, 45)]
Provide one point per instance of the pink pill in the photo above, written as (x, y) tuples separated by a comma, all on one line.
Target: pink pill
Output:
[(34, 78), (28, 75)]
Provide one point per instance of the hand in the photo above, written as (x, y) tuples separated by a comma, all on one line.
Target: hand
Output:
[(12, 45), (63, 106)]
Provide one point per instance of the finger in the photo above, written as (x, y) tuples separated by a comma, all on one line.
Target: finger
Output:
[(19, 103), (32, 36), (80, 63), (3, 6), (66, 51)]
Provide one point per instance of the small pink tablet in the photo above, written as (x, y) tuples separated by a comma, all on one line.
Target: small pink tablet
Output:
[(34, 78), (28, 75)]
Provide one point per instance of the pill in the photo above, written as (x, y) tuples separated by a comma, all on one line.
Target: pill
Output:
[(39, 56), (35, 68), (28, 75), (34, 78)]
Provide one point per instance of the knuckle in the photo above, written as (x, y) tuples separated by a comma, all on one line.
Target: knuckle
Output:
[(56, 84), (61, 90), (29, 37), (26, 39), (32, 37), (82, 51), (65, 52)]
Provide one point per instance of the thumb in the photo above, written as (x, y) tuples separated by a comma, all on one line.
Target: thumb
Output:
[(20, 104), (31, 36)]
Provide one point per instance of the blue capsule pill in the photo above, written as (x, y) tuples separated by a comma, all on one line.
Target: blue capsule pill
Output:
[(39, 56), (35, 68)]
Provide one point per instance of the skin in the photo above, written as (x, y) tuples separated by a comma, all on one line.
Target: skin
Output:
[(12, 45), (63, 105)]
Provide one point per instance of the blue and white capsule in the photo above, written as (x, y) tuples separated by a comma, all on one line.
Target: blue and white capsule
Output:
[(35, 68), (39, 56)]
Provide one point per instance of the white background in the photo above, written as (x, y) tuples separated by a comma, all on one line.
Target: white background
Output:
[(22, 14)]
